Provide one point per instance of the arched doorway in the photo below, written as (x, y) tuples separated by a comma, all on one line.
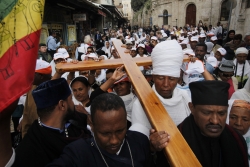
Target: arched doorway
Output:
[(165, 17), (225, 10), (191, 14)]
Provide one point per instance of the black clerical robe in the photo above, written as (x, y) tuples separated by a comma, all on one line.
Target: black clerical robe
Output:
[(41, 145), (228, 150), (84, 152)]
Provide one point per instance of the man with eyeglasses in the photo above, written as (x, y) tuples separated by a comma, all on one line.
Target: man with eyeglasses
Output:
[(226, 74)]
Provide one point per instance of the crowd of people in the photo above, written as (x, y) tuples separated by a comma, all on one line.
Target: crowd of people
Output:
[(94, 118)]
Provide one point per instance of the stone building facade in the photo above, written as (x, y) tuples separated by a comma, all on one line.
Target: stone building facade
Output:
[(181, 12)]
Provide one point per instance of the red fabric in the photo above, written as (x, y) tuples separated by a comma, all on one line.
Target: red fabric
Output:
[(231, 88), (17, 68)]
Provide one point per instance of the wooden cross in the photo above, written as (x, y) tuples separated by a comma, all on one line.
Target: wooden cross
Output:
[(177, 151)]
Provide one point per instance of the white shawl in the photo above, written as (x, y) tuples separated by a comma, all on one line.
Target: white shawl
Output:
[(129, 101), (244, 93), (177, 108)]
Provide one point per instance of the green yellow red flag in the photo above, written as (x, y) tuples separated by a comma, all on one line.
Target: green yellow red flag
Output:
[(20, 25)]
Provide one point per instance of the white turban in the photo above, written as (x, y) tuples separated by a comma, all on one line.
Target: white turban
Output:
[(167, 58), (241, 50)]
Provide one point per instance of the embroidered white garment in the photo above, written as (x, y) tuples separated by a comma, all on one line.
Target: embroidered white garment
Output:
[(240, 68), (177, 108)]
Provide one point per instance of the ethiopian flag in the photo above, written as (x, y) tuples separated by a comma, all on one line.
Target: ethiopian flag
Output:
[(20, 25)]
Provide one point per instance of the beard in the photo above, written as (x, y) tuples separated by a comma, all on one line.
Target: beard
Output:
[(70, 114), (200, 57)]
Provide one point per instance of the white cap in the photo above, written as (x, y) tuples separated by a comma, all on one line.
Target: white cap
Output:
[(167, 58), (162, 31), (184, 42), (61, 53), (210, 34), (188, 52), (213, 61), (214, 38), (189, 33), (202, 36), (195, 38), (133, 49), (154, 38), (141, 45), (128, 42), (181, 38), (222, 51)]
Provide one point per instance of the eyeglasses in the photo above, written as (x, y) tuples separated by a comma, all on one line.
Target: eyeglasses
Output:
[(227, 75)]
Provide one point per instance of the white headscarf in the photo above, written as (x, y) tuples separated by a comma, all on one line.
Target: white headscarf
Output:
[(167, 58), (75, 101)]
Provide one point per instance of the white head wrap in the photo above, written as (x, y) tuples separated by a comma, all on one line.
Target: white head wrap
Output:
[(167, 58), (210, 46), (241, 50)]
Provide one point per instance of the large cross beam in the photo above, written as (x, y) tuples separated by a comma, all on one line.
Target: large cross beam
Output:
[(177, 151)]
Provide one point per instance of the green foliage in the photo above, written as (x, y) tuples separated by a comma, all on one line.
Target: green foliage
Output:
[(137, 4)]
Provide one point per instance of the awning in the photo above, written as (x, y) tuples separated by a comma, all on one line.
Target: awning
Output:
[(114, 10), (105, 10)]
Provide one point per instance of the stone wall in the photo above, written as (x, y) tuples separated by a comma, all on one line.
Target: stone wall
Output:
[(208, 11), (240, 19), (177, 8)]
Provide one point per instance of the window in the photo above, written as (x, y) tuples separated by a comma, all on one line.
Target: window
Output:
[(225, 10), (165, 17), (248, 3)]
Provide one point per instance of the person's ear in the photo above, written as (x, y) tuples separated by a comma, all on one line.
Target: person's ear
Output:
[(62, 105), (191, 107)]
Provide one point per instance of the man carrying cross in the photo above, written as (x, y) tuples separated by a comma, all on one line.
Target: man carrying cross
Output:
[(167, 59)]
